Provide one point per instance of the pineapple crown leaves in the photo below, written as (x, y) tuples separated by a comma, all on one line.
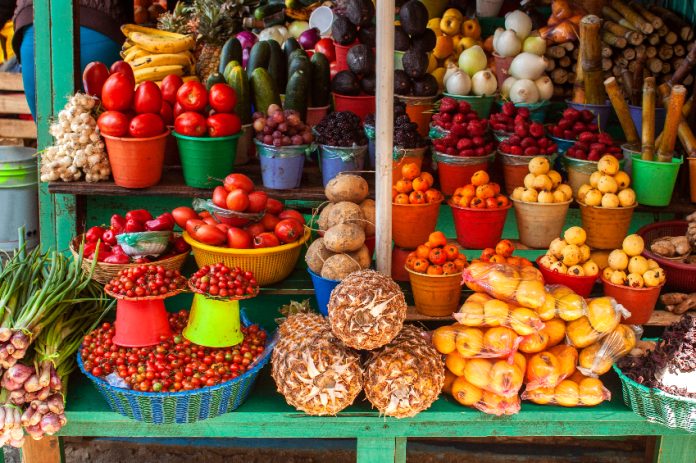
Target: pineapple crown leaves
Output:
[(292, 308), (217, 20)]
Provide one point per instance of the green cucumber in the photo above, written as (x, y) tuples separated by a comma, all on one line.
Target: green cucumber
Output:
[(214, 78), (265, 92), (320, 86), (300, 62), (231, 51), (259, 56), (237, 79), (267, 10), (289, 46), (297, 93), (277, 65), (231, 65)]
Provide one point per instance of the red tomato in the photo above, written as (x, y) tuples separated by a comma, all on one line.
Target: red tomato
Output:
[(148, 98), (182, 215), (266, 240), (220, 197), (257, 201), (117, 93), (210, 220), (222, 98), (125, 68), (255, 228), (325, 46), (166, 113), (237, 200), (113, 123), (170, 85), (223, 125), (192, 96), (222, 226), (209, 234), (93, 78), (190, 123), (273, 206), (333, 69), (238, 181), (238, 238), (289, 230), (292, 214), (269, 221), (146, 126), (192, 225)]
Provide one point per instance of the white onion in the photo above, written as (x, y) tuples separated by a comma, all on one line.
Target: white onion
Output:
[(459, 83), (545, 87), (451, 69), (527, 66), (524, 91), (507, 85), (534, 44), (473, 60), (484, 83), (508, 44), (519, 22)]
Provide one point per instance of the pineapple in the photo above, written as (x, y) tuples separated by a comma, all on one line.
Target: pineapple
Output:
[(406, 376), (176, 21), (367, 310), (312, 369)]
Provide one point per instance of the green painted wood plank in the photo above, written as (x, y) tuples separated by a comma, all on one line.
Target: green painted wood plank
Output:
[(676, 449), (400, 450), (376, 450)]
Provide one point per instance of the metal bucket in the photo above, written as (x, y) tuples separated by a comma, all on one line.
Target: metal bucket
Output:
[(19, 196)]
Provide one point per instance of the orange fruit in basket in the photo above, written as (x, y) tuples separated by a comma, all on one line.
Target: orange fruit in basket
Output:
[(535, 342), (435, 270), (410, 171), (502, 201), (404, 186), (498, 259), (394, 193), (505, 248), (401, 198), (420, 265), (466, 393), (544, 369), (485, 191), (487, 253), (469, 191), (568, 358), (555, 329), (417, 197), (480, 177), (419, 184), (499, 340), (428, 178), (460, 263), (410, 259), (437, 238), (496, 187), (443, 339), (452, 251), (477, 203), (422, 251), (433, 195), (449, 268)]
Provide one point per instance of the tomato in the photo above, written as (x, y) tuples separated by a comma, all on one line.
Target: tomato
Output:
[(113, 123), (117, 93), (192, 96), (166, 113), (222, 98), (209, 234), (169, 86), (238, 181), (223, 125), (139, 215), (190, 123), (220, 197), (273, 206), (237, 200), (93, 78), (256, 228), (269, 221), (183, 214), (133, 226), (257, 201), (289, 230), (125, 68), (178, 110), (222, 226), (266, 240), (146, 125), (148, 98), (292, 214), (326, 47), (333, 69), (238, 238)]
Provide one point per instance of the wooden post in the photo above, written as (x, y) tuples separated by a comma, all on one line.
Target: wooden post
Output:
[(648, 124), (591, 58), (674, 115), (621, 108), (46, 450), (385, 133)]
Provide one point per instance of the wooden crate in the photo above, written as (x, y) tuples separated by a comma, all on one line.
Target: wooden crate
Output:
[(13, 103)]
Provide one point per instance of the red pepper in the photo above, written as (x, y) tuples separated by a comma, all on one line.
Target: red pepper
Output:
[(180, 245), (109, 237), (118, 250), (94, 234), (117, 259), (89, 249), (139, 215), (164, 222), (142, 260), (118, 224), (134, 226), (103, 255)]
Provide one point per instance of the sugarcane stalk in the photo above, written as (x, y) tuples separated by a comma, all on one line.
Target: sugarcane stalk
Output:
[(632, 16), (559, 76), (565, 62), (686, 110), (653, 39), (634, 37), (607, 64), (556, 51), (674, 115), (648, 120), (670, 38), (662, 31), (629, 53), (611, 13), (679, 50), (591, 59), (675, 23), (665, 52), (650, 52), (621, 109), (627, 83), (614, 40), (655, 20), (579, 85), (687, 139), (607, 52), (654, 65)]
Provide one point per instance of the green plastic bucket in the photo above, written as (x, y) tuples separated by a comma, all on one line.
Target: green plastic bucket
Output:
[(481, 105), (19, 197), (214, 322), (653, 181), (206, 160)]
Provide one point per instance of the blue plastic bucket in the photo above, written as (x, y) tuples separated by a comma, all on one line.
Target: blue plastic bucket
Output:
[(322, 291), (337, 159), (601, 111), (562, 144), (371, 137), (281, 167), (637, 116)]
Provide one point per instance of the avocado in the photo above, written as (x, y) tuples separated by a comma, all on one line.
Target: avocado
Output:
[(361, 60), (343, 31), (424, 42), (425, 86), (402, 83), (402, 41), (414, 17), (415, 63), (368, 36), (346, 83), (360, 12), (368, 84)]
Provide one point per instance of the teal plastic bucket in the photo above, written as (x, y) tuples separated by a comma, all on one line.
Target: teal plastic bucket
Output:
[(206, 160), (653, 181), (19, 196)]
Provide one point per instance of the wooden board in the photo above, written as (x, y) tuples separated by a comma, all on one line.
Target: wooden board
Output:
[(17, 128), (14, 103), (11, 82)]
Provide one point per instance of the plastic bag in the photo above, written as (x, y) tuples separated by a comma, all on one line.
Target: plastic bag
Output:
[(562, 302), (503, 377), (597, 358), (521, 286), (493, 404), (480, 309), (602, 317), (576, 391), (233, 218), (151, 243), (473, 342)]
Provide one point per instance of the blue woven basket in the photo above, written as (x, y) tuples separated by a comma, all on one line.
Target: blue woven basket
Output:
[(180, 407)]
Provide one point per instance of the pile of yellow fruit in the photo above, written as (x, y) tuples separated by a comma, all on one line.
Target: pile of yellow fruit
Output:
[(626, 266), (570, 255), (608, 186), (455, 33), (542, 184)]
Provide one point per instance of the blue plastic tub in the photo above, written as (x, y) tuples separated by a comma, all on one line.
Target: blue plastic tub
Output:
[(281, 167), (637, 116), (337, 159), (322, 291)]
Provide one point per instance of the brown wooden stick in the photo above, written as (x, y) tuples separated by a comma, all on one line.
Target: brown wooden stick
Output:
[(655, 20), (607, 52), (674, 115), (675, 23), (556, 51), (565, 62), (627, 83), (559, 76), (686, 110), (653, 39), (671, 38), (632, 16), (550, 65), (591, 59), (686, 66), (607, 64), (621, 108), (629, 53), (579, 85), (648, 120), (650, 52), (666, 68), (679, 50), (687, 139), (638, 79), (654, 65), (609, 12), (665, 52), (634, 37), (663, 31), (569, 46), (614, 40)]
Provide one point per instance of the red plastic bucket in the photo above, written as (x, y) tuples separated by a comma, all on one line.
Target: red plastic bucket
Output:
[(456, 171), (136, 162), (360, 105), (399, 272), (341, 54), (141, 323), (479, 228), (639, 301), (581, 285)]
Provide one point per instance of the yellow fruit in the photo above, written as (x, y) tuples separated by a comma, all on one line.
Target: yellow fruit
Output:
[(499, 341), (443, 339), (575, 235), (529, 180), (539, 165), (495, 312), (607, 184), (542, 182), (464, 43), (592, 391), (525, 321), (520, 361), (470, 314), (540, 395), (582, 191), (594, 359), (627, 336), (451, 21), (469, 342), (652, 265), (608, 164), (580, 333), (555, 178), (638, 264), (547, 260), (466, 393), (533, 343), (543, 369), (601, 257), (570, 306), (618, 260), (567, 357), (531, 274), (455, 363), (556, 330), (546, 197), (505, 379), (443, 47), (439, 75), (559, 267), (567, 394), (567, 191), (560, 291), (594, 178), (602, 314), (607, 273), (503, 283), (634, 280), (627, 197), (434, 25), (164, 59), (590, 268), (157, 72), (585, 253), (471, 28), (593, 197), (432, 63), (610, 200), (162, 44), (576, 270), (618, 277), (477, 372), (652, 278), (556, 247), (633, 245), (559, 196), (548, 310), (530, 195), (517, 193), (622, 179), (571, 255)]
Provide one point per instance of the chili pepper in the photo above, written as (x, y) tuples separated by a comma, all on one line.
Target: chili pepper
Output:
[(94, 234), (109, 237), (139, 215), (164, 222), (134, 226), (118, 224)]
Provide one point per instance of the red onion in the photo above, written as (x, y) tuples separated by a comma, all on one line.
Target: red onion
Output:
[(19, 340), (15, 377), (247, 39), (56, 404), (309, 38), (34, 431), (5, 334), (32, 384), (50, 423)]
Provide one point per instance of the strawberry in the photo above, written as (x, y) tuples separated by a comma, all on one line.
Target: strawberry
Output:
[(508, 109), (531, 151)]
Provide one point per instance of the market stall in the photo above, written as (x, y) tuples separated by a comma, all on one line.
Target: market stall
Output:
[(479, 157)]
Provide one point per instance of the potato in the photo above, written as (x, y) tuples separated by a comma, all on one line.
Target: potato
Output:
[(346, 187), (316, 255), (344, 237), (345, 212), (339, 266), (362, 256), (323, 216), (368, 209)]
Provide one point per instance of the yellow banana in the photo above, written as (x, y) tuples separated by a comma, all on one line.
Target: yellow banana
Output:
[(126, 45), (163, 59), (190, 79), (128, 28), (157, 73), (134, 53), (159, 44)]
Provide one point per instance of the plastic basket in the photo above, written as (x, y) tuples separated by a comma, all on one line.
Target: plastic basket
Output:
[(679, 276), (180, 407), (269, 265)]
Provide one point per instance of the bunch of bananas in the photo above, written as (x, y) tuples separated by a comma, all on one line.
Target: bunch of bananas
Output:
[(154, 54)]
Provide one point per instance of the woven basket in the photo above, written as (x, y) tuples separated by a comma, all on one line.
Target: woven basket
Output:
[(103, 272), (180, 407), (680, 276)]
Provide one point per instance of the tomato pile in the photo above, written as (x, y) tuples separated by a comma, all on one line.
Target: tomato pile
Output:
[(573, 123), (135, 221), (415, 187), (277, 225), (281, 128), (191, 101), (145, 281), (436, 257), (175, 364), (221, 281), (528, 140), (481, 193), (508, 117)]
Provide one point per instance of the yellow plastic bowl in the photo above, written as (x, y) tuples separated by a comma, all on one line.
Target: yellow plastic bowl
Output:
[(269, 265)]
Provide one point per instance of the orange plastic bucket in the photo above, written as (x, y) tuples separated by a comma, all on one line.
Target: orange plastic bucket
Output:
[(456, 171), (606, 227), (436, 295), (420, 111), (402, 157), (413, 223), (316, 114), (136, 162), (141, 323), (479, 228), (360, 105), (639, 301)]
